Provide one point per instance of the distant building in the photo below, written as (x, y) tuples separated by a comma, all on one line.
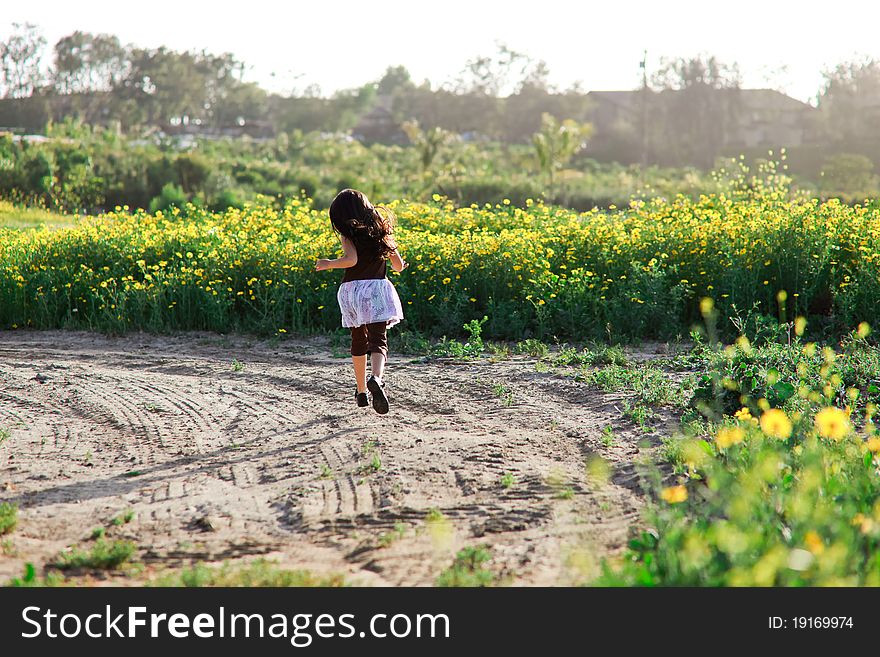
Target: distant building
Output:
[(767, 117)]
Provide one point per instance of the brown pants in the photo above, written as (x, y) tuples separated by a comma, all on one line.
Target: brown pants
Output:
[(371, 338)]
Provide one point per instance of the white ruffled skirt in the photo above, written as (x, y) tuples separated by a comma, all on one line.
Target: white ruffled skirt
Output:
[(369, 301)]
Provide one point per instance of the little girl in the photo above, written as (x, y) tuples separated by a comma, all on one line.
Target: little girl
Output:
[(367, 299)]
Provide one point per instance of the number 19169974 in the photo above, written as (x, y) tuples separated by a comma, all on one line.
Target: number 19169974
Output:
[(810, 623)]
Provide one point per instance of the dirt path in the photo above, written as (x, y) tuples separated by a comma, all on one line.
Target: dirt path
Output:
[(276, 460)]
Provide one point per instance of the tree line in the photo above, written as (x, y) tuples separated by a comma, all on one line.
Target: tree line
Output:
[(686, 108)]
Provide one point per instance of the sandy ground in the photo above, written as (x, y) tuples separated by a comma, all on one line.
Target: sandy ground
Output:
[(276, 459)]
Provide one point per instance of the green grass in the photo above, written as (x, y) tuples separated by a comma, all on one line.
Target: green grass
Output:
[(123, 518), (435, 515), (503, 393), (389, 537), (650, 385), (25, 218), (8, 518), (30, 579), (607, 437), (468, 569), (259, 573), (104, 555), (532, 347)]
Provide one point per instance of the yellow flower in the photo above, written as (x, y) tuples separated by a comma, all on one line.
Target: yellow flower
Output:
[(728, 436), (814, 542), (674, 494), (873, 444), (775, 423), (446, 280), (743, 414), (832, 423)]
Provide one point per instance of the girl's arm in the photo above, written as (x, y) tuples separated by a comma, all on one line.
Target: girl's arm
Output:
[(348, 260), (397, 262)]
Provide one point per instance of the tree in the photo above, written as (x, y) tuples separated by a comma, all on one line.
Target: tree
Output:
[(20, 57), (556, 143), (697, 106), (503, 72), (427, 142), (396, 78), (850, 100), (86, 63)]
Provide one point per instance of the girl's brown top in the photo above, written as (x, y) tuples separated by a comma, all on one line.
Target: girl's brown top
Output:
[(367, 268)]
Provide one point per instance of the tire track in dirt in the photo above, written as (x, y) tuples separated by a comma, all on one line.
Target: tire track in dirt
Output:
[(276, 459)]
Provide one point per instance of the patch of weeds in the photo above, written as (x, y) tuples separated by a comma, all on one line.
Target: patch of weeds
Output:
[(408, 342), (4, 434), (607, 436), (468, 569), (326, 472), (97, 532), (389, 537), (508, 480), (152, 407), (7, 548), (123, 518), (638, 413), (599, 356), (532, 347), (237, 365), (8, 517), (650, 385), (30, 580), (434, 515), (259, 573), (88, 458), (104, 555), (473, 348), (564, 493), (503, 393), (542, 367), (375, 463), (498, 350), (370, 449)]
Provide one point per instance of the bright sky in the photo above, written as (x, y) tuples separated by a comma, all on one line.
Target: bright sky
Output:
[(343, 43)]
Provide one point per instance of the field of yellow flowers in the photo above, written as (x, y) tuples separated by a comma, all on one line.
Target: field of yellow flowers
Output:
[(777, 484), (535, 271)]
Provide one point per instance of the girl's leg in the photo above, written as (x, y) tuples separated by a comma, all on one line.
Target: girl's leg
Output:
[(360, 371), (377, 341), (377, 364), (359, 356)]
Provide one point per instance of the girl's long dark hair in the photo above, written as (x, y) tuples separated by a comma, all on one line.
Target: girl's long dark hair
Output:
[(369, 227)]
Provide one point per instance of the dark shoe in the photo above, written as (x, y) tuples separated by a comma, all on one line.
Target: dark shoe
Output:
[(380, 400), (361, 398)]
